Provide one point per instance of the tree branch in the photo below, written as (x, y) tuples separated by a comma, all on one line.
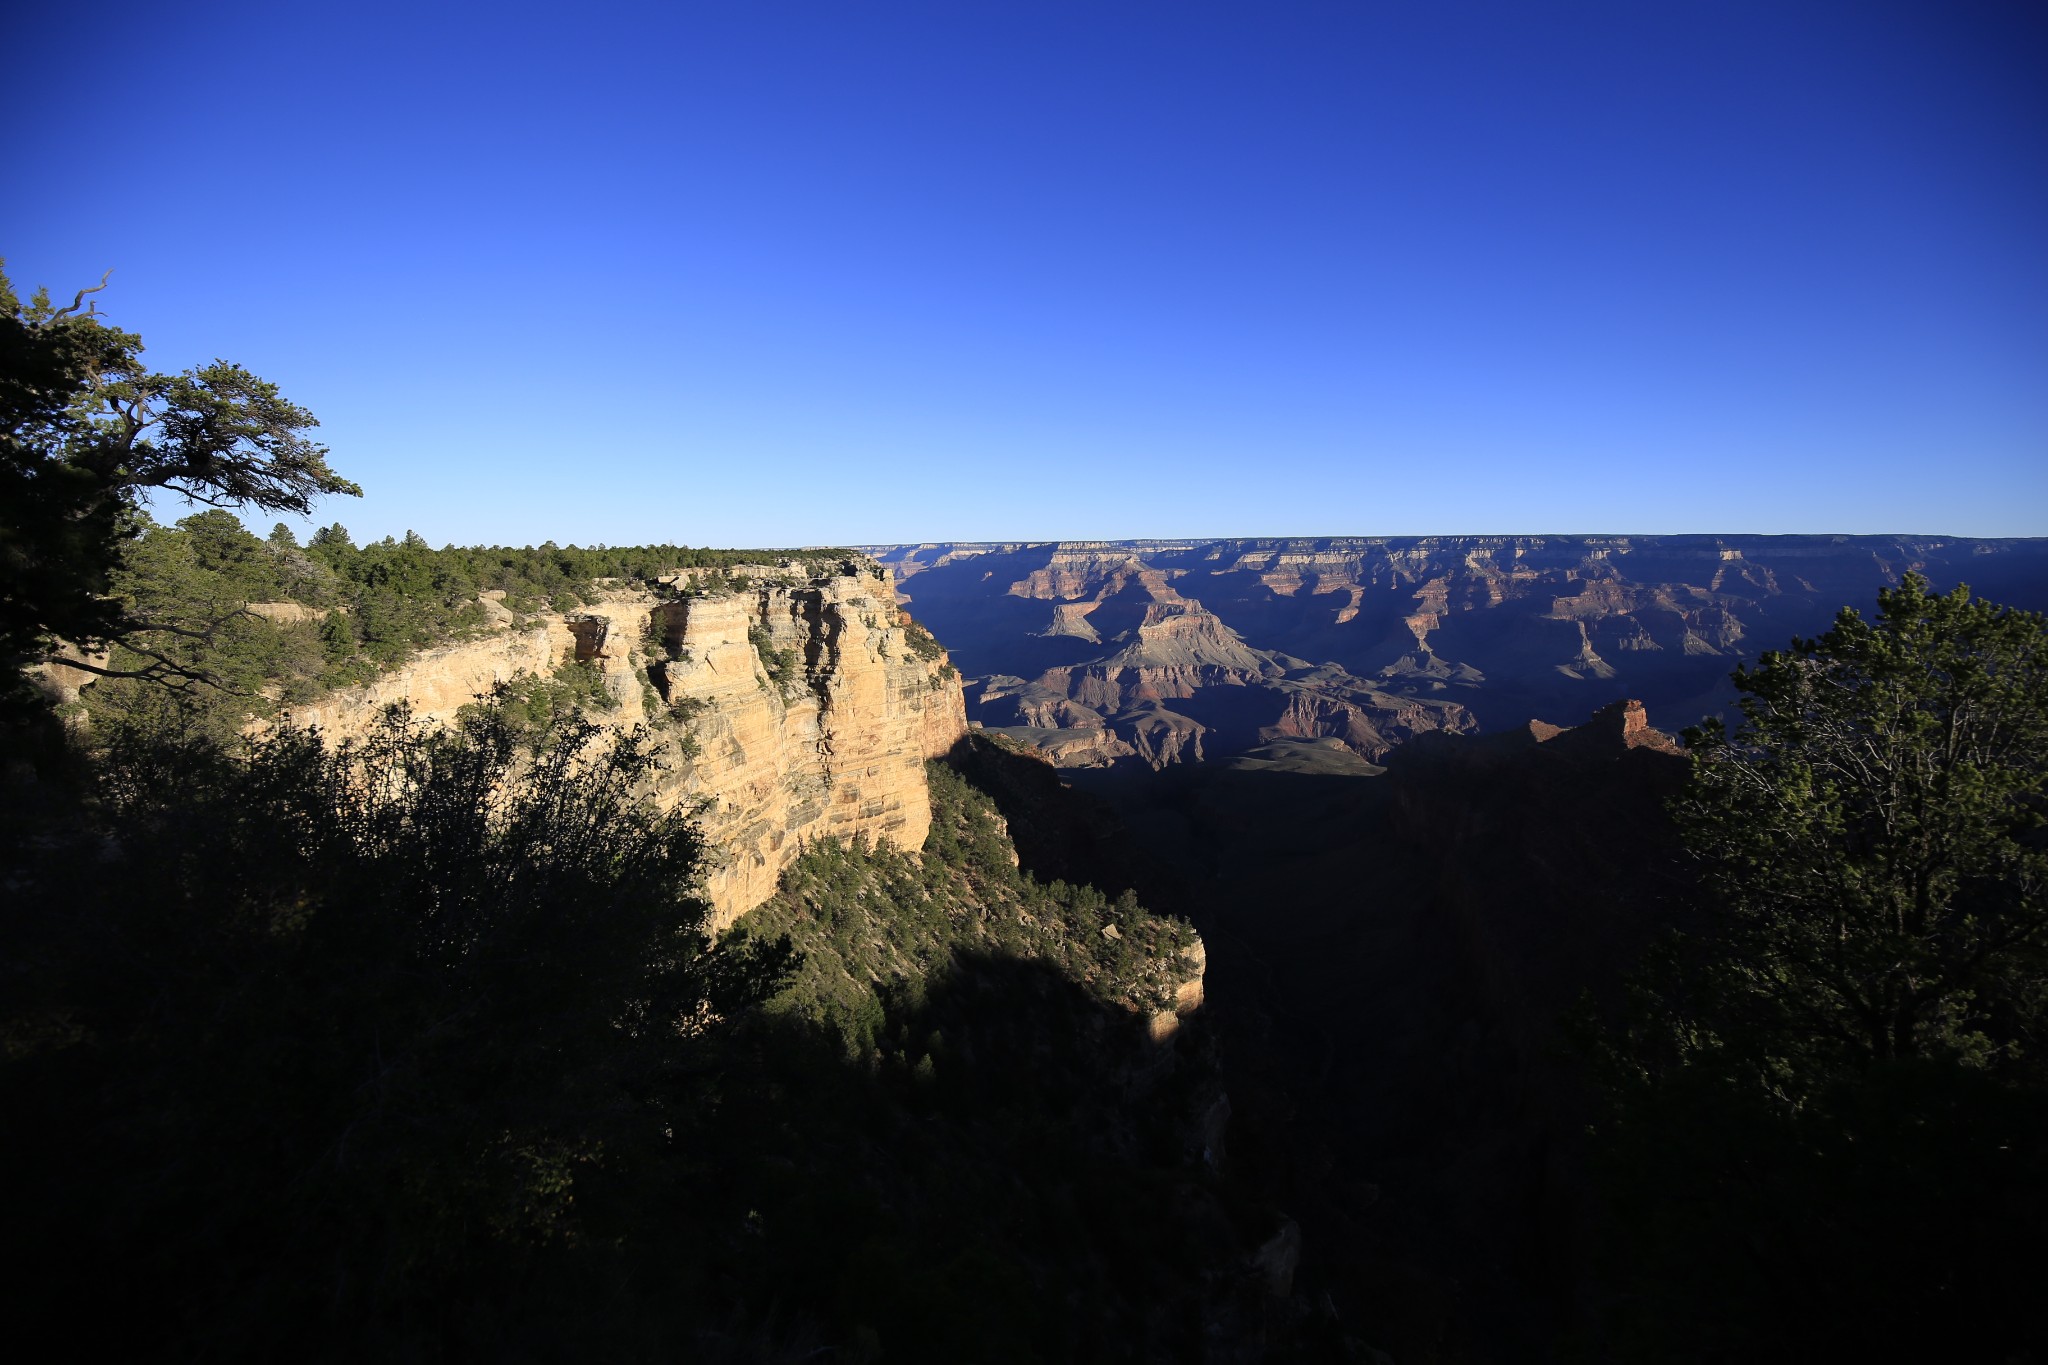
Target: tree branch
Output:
[(76, 300), (159, 669)]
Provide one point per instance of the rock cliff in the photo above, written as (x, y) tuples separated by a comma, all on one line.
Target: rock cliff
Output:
[(790, 710)]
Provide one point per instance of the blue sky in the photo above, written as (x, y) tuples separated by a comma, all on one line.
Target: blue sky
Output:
[(779, 273)]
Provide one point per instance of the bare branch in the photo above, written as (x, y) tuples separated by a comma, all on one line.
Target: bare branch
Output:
[(204, 633), (160, 669), (77, 299)]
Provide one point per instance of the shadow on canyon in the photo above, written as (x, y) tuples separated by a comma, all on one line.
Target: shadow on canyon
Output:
[(1390, 958), (1015, 1174)]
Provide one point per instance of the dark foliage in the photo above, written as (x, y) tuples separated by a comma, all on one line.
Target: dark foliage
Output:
[(1829, 1134), (992, 1159), (1008, 1174), (411, 1050), (353, 1052)]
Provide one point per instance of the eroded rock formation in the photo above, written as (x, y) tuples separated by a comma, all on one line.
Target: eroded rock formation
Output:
[(1166, 651), (792, 710)]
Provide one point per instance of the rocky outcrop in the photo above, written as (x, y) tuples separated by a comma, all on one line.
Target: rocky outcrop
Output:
[(793, 710), (60, 679), (812, 719), (438, 682), (287, 613), (1176, 648), (1627, 723)]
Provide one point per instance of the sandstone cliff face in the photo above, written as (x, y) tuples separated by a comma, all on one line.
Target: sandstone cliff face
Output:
[(790, 711), (835, 748), (438, 682)]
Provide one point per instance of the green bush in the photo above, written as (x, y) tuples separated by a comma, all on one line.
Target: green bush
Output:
[(921, 641), (536, 708), (781, 665)]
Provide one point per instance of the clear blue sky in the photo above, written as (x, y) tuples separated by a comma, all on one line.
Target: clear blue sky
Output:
[(758, 272)]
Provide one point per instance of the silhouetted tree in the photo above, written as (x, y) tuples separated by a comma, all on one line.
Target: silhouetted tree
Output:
[(1830, 1133), (1870, 839), (85, 429), (356, 1050)]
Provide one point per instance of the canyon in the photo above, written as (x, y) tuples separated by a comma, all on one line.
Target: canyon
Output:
[(1410, 795), (1160, 652)]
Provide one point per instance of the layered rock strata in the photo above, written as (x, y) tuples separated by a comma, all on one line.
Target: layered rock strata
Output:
[(793, 710), (1099, 651), (1164, 680)]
